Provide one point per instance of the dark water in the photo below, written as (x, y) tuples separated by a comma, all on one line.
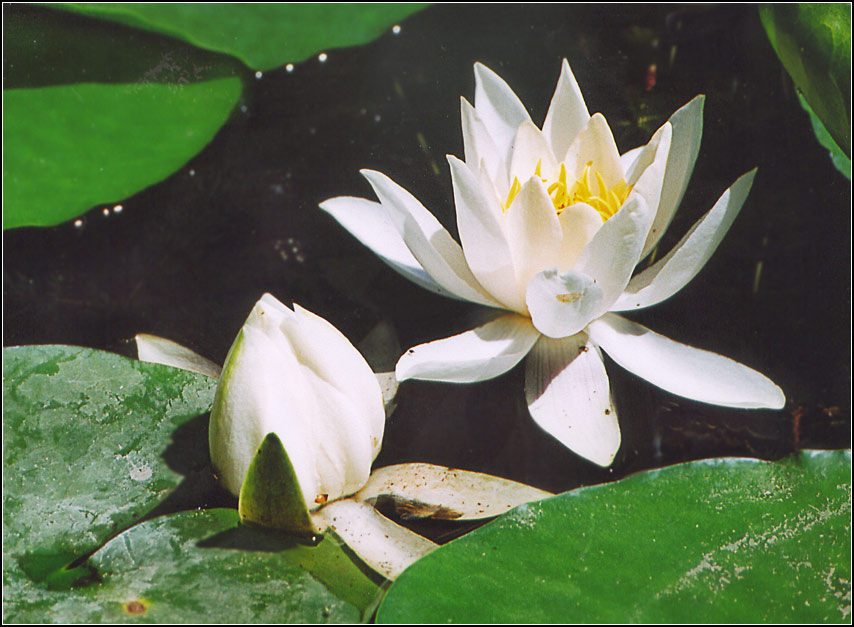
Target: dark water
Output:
[(187, 258)]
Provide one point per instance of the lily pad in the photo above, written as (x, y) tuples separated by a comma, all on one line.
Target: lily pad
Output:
[(717, 541), (204, 567), (88, 449), (263, 36), (68, 148)]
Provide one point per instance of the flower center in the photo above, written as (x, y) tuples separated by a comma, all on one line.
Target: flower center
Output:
[(590, 189)]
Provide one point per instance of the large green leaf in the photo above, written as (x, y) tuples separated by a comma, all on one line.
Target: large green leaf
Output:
[(263, 36), (814, 43), (70, 147), (89, 443), (203, 567), (724, 540)]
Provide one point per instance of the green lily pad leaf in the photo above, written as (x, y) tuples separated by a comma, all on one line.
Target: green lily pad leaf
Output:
[(717, 541), (89, 443), (840, 160), (204, 567), (270, 495), (814, 43), (263, 36), (68, 148)]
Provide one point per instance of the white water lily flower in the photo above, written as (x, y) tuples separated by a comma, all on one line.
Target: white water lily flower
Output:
[(553, 223), (294, 374)]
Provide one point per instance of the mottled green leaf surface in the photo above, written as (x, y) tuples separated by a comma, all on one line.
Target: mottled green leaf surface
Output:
[(716, 541), (70, 147), (814, 43), (203, 567), (88, 449), (263, 36)]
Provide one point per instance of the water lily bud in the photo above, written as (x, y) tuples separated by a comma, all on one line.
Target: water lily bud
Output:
[(293, 374)]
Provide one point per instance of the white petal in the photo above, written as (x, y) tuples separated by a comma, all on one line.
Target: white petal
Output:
[(611, 256), (428, 491), (629, 162), (562, 304), (501, 110), (485, 245), (251, 399), (595, 143), (159, 350), (567, 112), (687, 125), (569, 397), (368, 222), (480, 149), (683, 370), (579, 223), (477, 355), (337, 362), (672, 272), (533, 232), (530, 148), (382, 544), (430, 243), (653, 160)]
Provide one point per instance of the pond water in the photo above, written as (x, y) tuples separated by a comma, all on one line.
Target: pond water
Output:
[(187, 258)]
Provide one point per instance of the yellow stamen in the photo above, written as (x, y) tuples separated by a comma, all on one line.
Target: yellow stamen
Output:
[(590, 188), (514, 190)]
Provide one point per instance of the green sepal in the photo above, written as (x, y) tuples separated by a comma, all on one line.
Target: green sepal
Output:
[(270, 495)]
